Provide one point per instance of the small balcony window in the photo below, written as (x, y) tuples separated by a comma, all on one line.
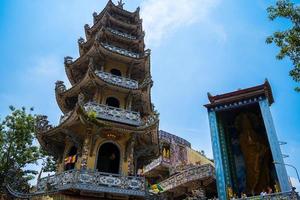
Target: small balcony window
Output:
[(113, 102), (116, 72), (166, 152)]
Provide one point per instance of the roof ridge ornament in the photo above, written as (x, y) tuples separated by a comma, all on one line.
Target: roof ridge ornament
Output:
[(120, 4)]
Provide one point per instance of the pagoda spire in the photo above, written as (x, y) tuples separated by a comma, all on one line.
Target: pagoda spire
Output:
[(120, 4)]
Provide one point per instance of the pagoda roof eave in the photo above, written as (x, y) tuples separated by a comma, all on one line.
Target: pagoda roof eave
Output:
[(72, 116), (134, 13), (239, 95), (137, 41), (45, 135), (107, 16), (111, 5)]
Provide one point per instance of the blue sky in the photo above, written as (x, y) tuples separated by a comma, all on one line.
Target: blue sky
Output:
[(198, 46)]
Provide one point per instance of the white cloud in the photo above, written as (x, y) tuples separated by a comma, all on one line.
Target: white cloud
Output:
[(47, 70), (161, 18), (295, 182)]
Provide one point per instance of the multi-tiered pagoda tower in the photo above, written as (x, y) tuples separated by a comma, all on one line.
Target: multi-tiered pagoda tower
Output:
[(109, 129)]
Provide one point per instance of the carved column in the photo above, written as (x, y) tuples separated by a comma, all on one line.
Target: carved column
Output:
[(130, 155), (85, 149)]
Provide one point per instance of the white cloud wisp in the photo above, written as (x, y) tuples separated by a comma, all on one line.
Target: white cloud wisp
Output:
[(162, 17)]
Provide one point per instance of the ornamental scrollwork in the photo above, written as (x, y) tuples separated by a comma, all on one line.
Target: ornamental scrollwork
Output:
[(80, 41), (114, 114), (68, 60), (117, 80), (60, 86), (42, 123), (96, 181), (147, 81), (121, 51), (122, 34)]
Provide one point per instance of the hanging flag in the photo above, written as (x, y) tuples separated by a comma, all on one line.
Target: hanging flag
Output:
[(70, 159), (74, 159)]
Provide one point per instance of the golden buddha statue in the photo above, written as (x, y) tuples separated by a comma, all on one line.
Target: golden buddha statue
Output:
[(253, 148)]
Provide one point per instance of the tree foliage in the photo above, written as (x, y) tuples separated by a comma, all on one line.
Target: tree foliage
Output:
[(287, 40), (19, 148)]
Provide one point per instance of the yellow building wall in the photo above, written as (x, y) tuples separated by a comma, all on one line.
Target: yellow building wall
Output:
[(61, 165), (196, 158), (121, 97), (92, 160)]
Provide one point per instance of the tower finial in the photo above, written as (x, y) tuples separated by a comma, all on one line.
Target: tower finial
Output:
[(120, 4)]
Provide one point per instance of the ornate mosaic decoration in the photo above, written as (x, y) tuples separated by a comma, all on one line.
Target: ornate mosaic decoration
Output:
[(121, 51), (93, 181), (122, 34), (197, 173), (117, 80), (114, 114), (159, 161)]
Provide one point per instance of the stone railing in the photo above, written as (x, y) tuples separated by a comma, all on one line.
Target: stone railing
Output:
[(155, 163), (93, 181), (291, 195), (169, 137), (114, 114), (200, 172), (122, 34), (117, 80), (121, 51)]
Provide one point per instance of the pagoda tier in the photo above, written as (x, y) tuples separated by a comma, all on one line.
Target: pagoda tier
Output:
[(112, 21), (130, 22), (101, 84), (103, 55), (116, 36), (73, 126)]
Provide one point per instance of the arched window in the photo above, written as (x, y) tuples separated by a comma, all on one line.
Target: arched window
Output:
[(112, 101), (166, 151), (71, 158), (108, 158), (116, 72)]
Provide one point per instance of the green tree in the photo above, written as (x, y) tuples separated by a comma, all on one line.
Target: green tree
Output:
[(287, 40), (19, 148)]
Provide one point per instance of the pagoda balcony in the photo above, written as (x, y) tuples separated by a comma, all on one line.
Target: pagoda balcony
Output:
[(114, 114), (117, 80), (121, 51), (122, 34), (206, 173), (92, 181), (157, 163)]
